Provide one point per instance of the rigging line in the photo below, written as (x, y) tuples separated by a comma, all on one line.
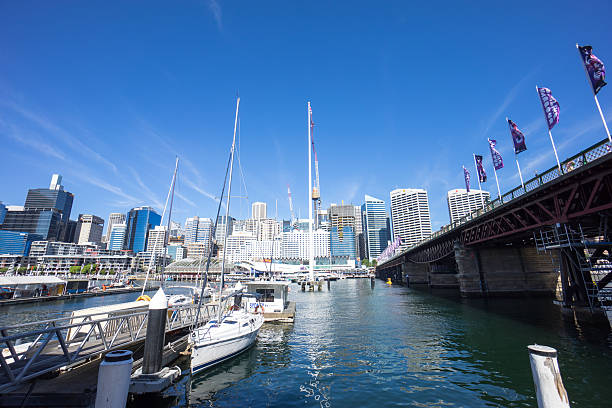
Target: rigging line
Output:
[(242, 178)]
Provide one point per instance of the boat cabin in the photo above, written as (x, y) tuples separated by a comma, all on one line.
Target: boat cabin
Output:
[(272, 296)]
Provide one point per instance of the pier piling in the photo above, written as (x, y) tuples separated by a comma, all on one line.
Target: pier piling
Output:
[(547, 377), (156, 331), (114, 379)]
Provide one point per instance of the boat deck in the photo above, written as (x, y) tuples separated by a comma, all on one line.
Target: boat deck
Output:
[(286, 316)]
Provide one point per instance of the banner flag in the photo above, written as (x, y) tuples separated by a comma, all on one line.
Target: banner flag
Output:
[(482, 175), (498, 162), (594, 67), (550, 106), (517, 137), (466, 176)]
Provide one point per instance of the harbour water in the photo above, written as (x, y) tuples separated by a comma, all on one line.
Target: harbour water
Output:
[(358, 346), (355, 346)]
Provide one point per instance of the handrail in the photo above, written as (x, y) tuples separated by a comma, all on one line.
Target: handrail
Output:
[(580, 159)]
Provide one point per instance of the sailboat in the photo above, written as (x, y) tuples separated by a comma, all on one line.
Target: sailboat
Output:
[(235, 329)]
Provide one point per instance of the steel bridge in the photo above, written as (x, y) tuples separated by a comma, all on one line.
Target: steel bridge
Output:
[(30, 350), (577, 196)]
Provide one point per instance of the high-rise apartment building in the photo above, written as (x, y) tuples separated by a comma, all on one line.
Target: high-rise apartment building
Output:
[(113, 218), (221, 228), (139, 221), (2, 212), (198, 229), (410, 215), (116, 239), (89, 229), (375, 226), (462, 203), (296, 245), (157, 240), (259, 210), (268, 229)]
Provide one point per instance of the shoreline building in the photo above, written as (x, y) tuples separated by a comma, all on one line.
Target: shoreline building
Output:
[(198, 230), (139, 221), (345, 222), (89, 229), (113, 218), (116, 239), (259, 210), (462, 203), (410, 215), (375, 226)]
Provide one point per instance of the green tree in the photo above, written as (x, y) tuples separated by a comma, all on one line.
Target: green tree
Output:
[(75, 269), (2, 270), (365, 262), (103, 272), (374, 263), (86, 268)]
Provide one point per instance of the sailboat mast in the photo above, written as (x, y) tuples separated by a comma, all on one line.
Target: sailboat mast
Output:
[(167, 236), (310, 232), (229, 198)]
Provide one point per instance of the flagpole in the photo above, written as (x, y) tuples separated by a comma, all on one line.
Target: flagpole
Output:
[(586, 71), (495, 171), (519, 170), (550, 134), (478, 177), (310, 235)]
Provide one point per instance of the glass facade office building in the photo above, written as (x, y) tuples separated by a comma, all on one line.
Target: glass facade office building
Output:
[(16, 243), (139, 221), (47, 198), (44, 222), (376, 226), (342, 242)]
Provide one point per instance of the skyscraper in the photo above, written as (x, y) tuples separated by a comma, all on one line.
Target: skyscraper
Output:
[(157, 239), (461, 203), (410, 215), (2, 212), (221, 226), (116, 239), (341, 216), (259, 210), (197, 229), (89, 229), (113, 218), (375, 226), (139, 221)]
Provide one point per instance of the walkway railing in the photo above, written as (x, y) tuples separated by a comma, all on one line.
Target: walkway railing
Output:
[(32, 349), (586, 156)]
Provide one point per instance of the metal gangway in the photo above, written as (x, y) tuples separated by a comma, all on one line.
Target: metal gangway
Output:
[(29, 350)]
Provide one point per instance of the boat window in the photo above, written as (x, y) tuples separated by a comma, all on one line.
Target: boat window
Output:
[(245, 324), (230, 321), (267, 295), (212, 321)]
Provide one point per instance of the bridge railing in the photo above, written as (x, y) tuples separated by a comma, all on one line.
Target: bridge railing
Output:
[(586, 156)]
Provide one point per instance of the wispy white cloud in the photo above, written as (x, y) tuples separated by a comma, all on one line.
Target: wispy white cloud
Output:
[(146, 190), (185, 199), (215, 8), (58, 132), (201, 190), (29, 140), (130, 200)]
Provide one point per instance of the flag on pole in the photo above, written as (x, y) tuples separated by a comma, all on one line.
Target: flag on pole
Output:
[(482, 175), (594, 67), (550, 106), (498, 162), (517, 137), (466, 176)]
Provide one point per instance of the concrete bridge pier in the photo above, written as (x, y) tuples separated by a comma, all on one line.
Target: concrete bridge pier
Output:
[(504, 271), (443, 274)]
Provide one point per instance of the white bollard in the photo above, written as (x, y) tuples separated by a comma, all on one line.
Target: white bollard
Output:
[(547, 377), (114, 378)]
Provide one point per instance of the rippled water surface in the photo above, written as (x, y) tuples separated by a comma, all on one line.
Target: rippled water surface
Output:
[(358, 346), (355, 346)]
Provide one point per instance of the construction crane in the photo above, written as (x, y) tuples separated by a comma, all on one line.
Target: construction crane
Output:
[(316, 192), (294, 222)]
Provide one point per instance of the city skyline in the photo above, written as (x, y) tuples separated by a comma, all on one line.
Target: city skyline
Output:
[(116, 138)]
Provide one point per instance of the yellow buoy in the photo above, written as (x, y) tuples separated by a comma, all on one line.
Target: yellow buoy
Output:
[(389, 281), (143, 297)]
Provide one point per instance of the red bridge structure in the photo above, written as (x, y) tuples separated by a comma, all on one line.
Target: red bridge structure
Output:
[(551, 237)]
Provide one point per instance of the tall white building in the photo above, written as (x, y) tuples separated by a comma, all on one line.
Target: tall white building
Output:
[(462, 203), (197, 230), (89, 229), (157, 240), (410, 215), (113, 218), (259, 210), (295, 245), (268, 229), (117, 237)]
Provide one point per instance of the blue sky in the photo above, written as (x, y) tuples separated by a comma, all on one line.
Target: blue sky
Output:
[(402, 95)]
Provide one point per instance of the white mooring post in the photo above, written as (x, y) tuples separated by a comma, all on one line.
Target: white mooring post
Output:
[(114, 379), (547, 377), (156, 330)]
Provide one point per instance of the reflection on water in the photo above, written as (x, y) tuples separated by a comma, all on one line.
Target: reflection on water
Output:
[(358, 346)]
